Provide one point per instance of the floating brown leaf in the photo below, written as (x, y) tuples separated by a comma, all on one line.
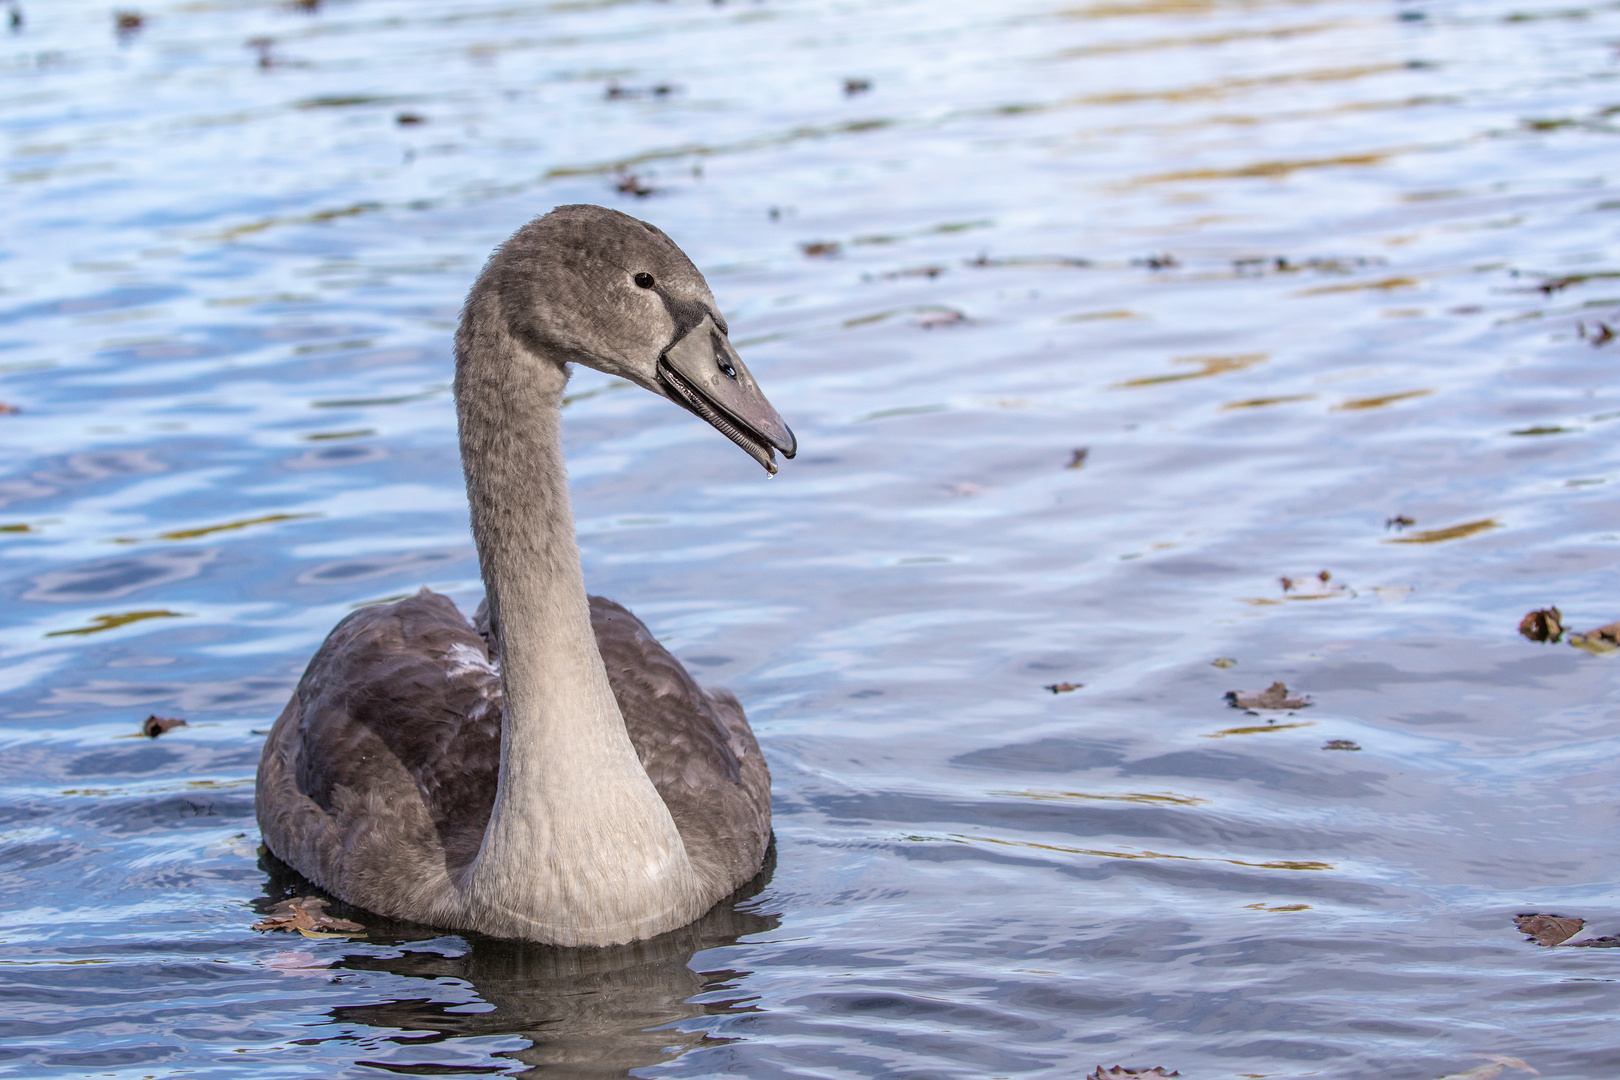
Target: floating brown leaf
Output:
[(631, 184), (1340, 744), (820, 247), (155, 725), (1399, 521), (1605, 639), (7, 410), (1224, 662), (1120, 1072), (1600, 334), (1063, 687), (856, 86), (1274, 696), (1548, 929), (939, 317), (615, 92), (1546, 624), (303, 914), (1318, 586), (1078, 458)]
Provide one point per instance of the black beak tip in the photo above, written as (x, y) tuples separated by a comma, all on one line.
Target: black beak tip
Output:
[(792, 447)]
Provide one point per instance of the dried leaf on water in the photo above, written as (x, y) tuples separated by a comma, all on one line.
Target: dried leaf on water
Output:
[(7, 410), (631, 184), (1545, 624), (1599, 642), (303, 914), (1274, 696), (1601, 334), (1063, 687), (1120, 1072), (156, 725), (1549, 930), (1340, 744), (820, 248), (1078, 459), (1223, 662), (1317, 586), (928, 320)]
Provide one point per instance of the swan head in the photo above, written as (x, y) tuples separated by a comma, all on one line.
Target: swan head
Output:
[(613, 293)]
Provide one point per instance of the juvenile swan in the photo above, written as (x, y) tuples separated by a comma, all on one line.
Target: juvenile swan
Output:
[(553, 773)]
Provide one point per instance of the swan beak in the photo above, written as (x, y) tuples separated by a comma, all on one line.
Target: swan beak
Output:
[(704, 373)]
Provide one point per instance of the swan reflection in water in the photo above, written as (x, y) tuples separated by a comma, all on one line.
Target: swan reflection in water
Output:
[(587, 1012)]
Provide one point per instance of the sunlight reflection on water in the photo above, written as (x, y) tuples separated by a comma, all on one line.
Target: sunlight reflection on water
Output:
[(1314, 286)]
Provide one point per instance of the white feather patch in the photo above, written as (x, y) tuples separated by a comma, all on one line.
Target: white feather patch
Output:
[(464, 660)]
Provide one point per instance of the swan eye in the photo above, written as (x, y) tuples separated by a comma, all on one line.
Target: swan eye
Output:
[(645, 280)]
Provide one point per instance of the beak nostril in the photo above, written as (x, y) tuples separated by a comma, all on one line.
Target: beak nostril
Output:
[(725, 366)]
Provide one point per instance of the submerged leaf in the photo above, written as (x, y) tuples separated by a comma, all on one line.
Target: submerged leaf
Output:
[(1357, 404), (113, 622), (1340, 744), (1605, 639), (1063, 687), (1119, 1072), (1453, 532), (1207, 366), (1259, 729)]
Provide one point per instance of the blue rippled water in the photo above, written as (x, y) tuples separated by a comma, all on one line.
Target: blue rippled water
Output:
[(1289, 272)]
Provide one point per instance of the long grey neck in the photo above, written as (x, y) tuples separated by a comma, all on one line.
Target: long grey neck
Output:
[(580, 849)]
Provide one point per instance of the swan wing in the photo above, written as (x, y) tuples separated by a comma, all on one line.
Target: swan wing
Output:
[(378, 778)]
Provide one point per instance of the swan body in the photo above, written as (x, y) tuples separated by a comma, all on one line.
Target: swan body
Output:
[(551, 774)]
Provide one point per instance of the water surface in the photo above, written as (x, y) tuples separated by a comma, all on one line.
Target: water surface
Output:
[(1285, 270)]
